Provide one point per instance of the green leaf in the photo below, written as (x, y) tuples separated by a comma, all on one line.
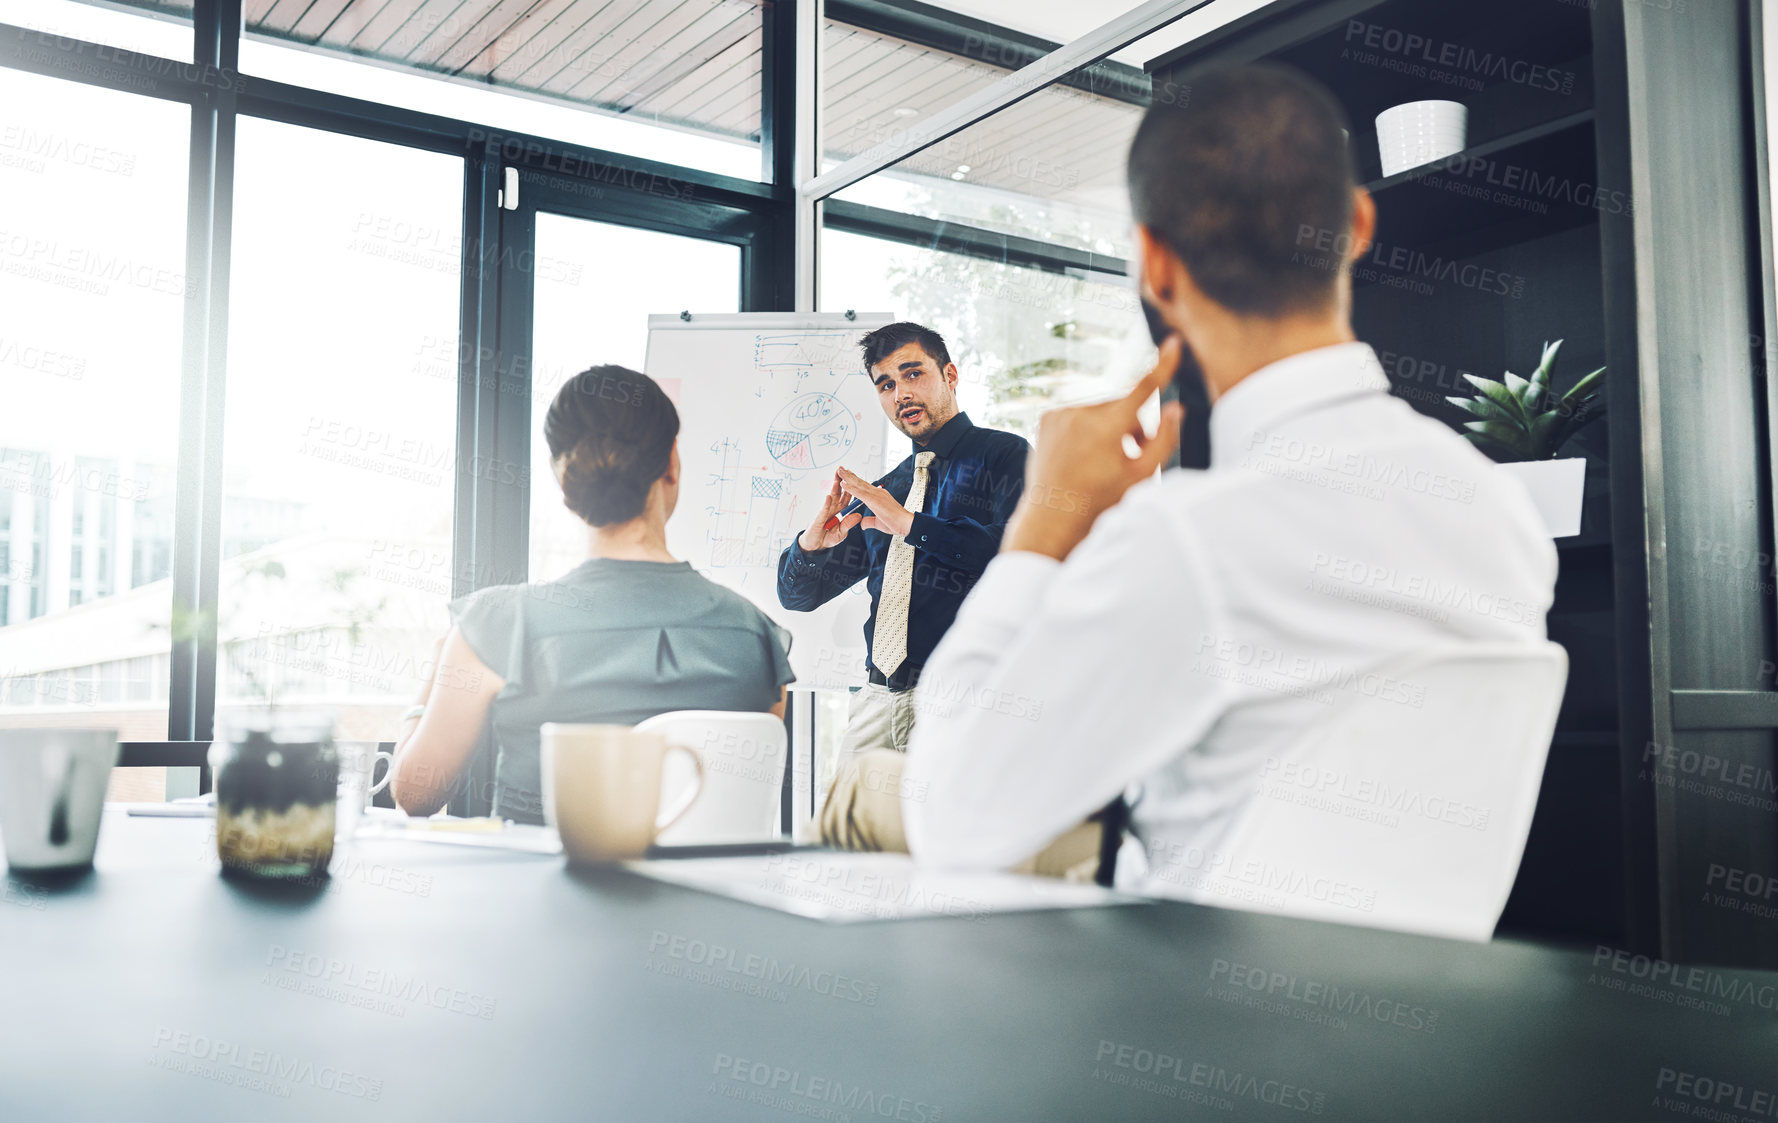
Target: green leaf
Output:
[(1524, 391), (1547, 433), (1484, 409), (1500, 396), (1509, 437), (1583, 387), (1540, 378)]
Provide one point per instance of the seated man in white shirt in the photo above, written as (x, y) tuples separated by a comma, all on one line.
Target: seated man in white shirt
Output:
[(1161, 639)]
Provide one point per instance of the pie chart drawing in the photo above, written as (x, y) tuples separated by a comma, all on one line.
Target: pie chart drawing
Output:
[(812, 431)]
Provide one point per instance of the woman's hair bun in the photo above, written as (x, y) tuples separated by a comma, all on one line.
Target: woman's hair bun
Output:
[(610, 433)]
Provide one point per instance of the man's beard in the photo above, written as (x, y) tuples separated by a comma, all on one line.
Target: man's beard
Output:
[(930, 422)]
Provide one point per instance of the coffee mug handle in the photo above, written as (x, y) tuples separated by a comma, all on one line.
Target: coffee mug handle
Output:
[(668, 818), (388, 774)]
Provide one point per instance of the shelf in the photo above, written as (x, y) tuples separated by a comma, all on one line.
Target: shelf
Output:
[(1487, 150), (1524, 186)]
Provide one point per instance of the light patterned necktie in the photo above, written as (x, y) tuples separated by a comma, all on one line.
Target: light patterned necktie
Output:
[(889, 642)]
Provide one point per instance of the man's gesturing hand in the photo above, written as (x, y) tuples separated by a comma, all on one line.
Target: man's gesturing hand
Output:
[(818, 536), (1079, 467), (888, 515)]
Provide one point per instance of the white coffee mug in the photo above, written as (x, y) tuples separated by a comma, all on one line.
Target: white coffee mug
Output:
[(602, 789), (52, 791), (358, 763)]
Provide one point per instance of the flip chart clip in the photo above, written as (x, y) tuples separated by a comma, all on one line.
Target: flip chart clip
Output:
[(851, 315), (686, 316)]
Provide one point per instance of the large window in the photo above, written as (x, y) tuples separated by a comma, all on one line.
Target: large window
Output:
[(593, 308), (92, 284), (341, 473), (340, 460), (1023, 339)]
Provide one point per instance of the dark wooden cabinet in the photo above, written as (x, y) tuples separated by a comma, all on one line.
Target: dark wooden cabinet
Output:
[(1610, 196)]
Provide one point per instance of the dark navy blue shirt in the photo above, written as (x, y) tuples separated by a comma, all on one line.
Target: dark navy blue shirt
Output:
[(972, 486)]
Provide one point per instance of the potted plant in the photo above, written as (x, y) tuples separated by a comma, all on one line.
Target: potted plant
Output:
[(1523, 423)]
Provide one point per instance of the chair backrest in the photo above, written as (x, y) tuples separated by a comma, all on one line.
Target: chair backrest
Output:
[(744, 756), (1408, 809)]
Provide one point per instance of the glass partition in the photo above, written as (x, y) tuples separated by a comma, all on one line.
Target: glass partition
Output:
[(340, 436), (587, 313), (93, 287)]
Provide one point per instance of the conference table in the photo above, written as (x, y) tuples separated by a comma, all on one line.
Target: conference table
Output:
[(426, 982)]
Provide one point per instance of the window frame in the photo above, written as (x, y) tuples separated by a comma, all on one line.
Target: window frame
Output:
[(775, 221)]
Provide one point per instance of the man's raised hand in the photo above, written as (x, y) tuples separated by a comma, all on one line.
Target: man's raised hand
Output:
[(820, 536)]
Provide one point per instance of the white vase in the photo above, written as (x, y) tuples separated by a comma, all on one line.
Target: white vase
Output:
[(1420, 132), (1557, 487)]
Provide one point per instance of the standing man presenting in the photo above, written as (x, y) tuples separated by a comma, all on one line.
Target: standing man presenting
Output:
[(919, 537)]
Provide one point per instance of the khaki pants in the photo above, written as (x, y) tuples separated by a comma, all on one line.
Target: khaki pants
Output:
[(877, 718), (863, 812)]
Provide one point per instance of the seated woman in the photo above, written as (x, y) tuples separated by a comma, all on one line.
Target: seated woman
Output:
[(628, 634)]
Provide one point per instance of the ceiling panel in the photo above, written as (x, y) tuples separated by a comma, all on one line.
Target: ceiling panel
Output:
[(648, 58), (696, 64)]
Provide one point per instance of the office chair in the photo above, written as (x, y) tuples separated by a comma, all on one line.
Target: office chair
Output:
[(1401, 817), (744, 756)]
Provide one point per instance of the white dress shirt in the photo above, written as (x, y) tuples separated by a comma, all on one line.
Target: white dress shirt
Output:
[(1212, 617)]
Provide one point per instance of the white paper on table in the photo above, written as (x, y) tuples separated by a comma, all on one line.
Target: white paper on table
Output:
[(522, 838), (845, 888)]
